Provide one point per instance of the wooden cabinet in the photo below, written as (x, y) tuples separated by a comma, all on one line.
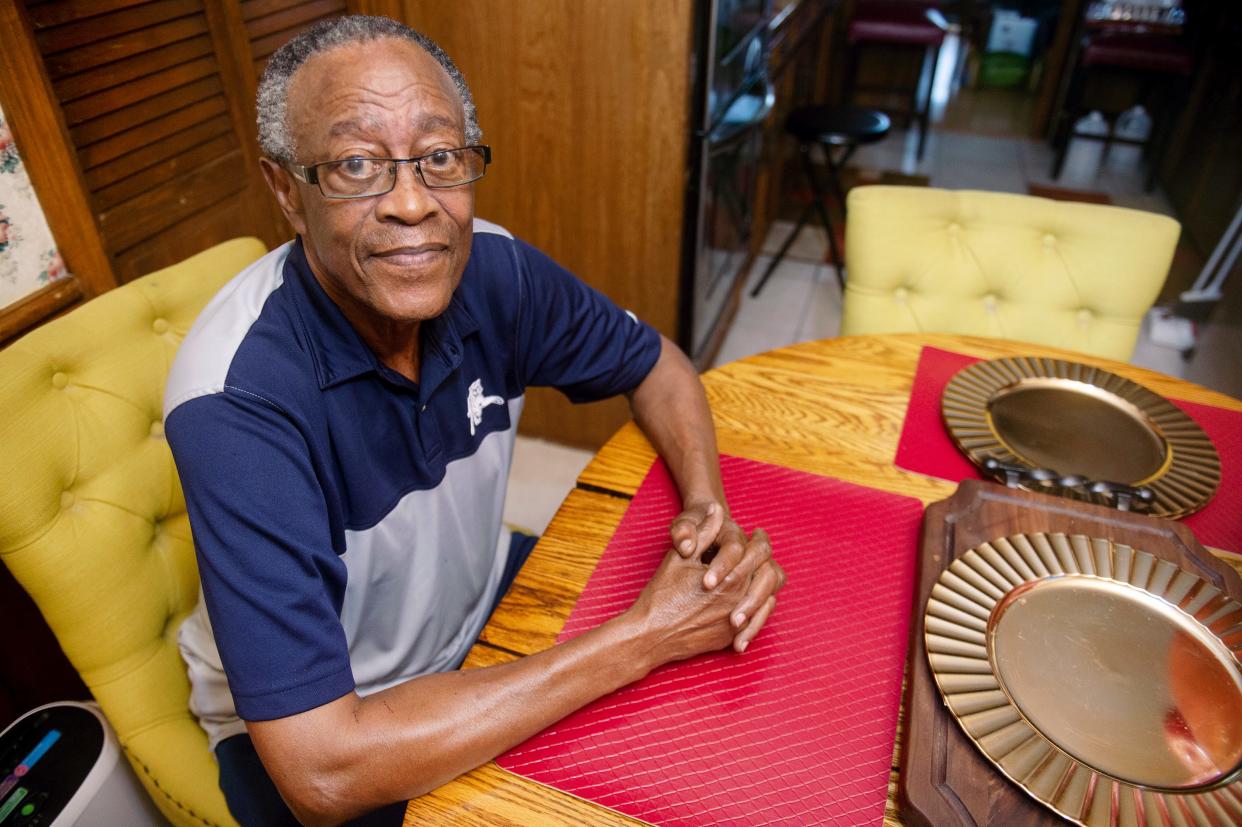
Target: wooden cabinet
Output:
[(585, 105)]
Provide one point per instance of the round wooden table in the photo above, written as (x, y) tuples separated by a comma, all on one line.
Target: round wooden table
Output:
[(833, 407)]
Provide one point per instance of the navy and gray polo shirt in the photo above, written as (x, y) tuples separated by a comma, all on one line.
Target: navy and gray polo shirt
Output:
[(347, 521)]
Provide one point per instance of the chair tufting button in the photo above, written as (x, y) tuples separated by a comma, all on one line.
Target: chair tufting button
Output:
[(901, 294), (1085, 316), (59, 380), (1050, 240), (954, 228), (989, 303), (160, 326), (66, 499), (157, 429)]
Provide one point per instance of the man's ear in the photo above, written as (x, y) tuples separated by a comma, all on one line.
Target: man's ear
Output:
[(285, 187)]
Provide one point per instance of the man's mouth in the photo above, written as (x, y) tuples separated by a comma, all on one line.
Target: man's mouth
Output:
[(411, 255)]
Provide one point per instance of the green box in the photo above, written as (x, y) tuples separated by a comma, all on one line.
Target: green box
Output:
[(1003, 69)]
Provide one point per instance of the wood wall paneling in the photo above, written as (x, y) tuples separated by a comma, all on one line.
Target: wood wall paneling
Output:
[(585, 107), (183, 239)]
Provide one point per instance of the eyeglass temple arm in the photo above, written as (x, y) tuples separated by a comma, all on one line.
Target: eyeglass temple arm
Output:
[(308, 175)]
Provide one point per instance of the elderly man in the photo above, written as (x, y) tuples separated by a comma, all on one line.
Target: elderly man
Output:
[(342, 417)]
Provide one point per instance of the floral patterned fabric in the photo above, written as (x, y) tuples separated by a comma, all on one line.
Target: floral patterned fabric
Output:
[(29, 259)]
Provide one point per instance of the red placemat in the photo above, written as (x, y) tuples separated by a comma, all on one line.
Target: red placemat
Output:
[(927, 448), (799, 729)]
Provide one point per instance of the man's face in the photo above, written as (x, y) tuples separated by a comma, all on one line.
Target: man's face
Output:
[(386, 259)]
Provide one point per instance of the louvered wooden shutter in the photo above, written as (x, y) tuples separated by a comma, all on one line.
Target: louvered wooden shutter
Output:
[(270, 23), (158, 98)]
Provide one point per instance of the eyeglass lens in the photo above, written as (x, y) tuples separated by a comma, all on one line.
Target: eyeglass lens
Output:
[(354, 177)]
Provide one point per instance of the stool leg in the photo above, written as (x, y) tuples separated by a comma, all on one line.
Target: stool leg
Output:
[(780, 254), (924, 114), (1061, 147), (817, 204), (913, 115), (823, 210), (1063, 132), (834, 171)]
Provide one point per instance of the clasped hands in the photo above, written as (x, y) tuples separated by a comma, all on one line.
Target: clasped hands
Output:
[(699, 601)]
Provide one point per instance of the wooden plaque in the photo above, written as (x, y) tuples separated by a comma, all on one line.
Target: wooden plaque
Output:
[(944, 780)]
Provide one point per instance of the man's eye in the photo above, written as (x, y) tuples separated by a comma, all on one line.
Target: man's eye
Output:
[(357, 167), (440, 159)]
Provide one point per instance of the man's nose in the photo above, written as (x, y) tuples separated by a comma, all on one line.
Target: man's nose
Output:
[(409, 201)]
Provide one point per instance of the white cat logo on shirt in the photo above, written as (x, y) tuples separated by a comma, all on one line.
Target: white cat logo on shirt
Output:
[(476, 402)]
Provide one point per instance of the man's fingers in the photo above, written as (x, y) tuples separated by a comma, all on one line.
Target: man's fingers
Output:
[(709, 528), (766, 582), (745, 560), (744, 637), (683, 532), (732, 542), (695, 529)]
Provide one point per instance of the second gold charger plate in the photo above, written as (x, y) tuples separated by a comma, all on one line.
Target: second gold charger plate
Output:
[(1080, 420), (1105, 682)]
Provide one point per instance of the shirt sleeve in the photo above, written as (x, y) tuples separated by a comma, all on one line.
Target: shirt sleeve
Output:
[(272, 582), (572, 337)]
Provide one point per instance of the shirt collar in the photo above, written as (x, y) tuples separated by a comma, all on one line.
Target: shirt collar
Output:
[(340, 353)]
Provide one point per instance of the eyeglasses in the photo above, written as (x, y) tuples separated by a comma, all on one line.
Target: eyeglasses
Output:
[(367, 177)]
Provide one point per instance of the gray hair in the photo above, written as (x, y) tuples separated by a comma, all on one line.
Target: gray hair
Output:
[(275, 139)]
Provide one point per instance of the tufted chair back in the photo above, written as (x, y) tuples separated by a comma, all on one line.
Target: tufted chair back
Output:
[(1078, 276), (92, 517)]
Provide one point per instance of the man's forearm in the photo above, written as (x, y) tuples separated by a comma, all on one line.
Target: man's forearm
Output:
[(355, 754), (671, 408)]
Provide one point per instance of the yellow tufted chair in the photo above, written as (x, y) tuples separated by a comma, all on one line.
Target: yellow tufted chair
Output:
[(92, 517), (1079, 276)]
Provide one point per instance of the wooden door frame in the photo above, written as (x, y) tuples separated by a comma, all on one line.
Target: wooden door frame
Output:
[(42, 138), (1057, 67)]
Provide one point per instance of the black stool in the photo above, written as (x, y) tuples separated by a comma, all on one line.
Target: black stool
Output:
[(833, 128)]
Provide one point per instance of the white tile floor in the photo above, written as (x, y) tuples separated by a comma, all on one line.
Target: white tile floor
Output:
[(802, 300), (542, 474)]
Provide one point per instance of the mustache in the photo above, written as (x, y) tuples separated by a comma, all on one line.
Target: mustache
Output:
[(425, 239)]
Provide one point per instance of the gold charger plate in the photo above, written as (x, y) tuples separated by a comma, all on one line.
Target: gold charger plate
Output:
[(1081, 420), (1103, 681)]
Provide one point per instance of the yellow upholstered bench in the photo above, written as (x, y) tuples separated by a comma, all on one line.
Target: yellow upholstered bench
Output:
[(93, 521), (1079, 276)]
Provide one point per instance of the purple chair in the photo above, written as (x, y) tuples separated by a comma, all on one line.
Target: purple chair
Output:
[(914, 24), (1163, 64)]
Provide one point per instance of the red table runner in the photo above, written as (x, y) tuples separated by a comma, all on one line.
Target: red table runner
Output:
[(799, 729), (927, 448)]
